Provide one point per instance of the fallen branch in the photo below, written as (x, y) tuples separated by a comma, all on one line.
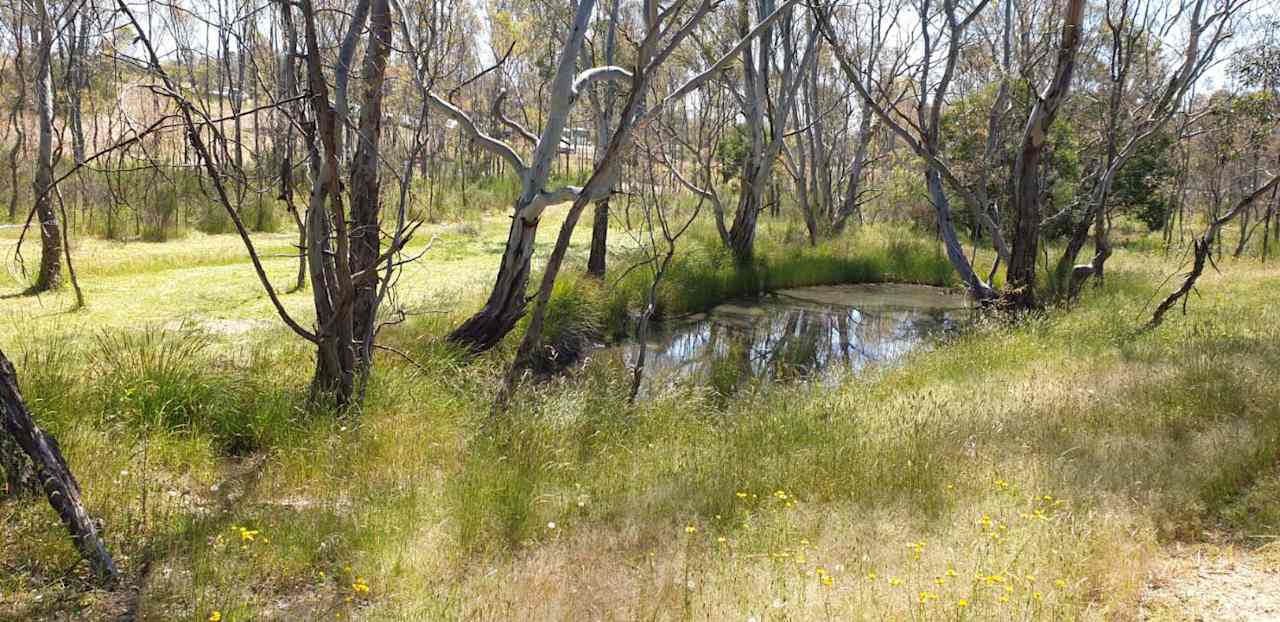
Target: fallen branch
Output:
[(1203, 247), (54, 475)]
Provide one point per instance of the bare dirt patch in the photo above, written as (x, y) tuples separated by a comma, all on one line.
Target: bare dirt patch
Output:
[(1215, 583)]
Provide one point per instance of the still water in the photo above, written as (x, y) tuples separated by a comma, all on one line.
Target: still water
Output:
[(810, 333)]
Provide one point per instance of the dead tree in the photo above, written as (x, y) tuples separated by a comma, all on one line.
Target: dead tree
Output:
[(1202, 248), (50, 469), (1131, 24), (663, 227)]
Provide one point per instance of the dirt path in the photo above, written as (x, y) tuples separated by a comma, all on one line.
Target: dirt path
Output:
[(1215, 583)]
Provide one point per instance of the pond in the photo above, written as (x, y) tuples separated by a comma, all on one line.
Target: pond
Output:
[(809, 333)]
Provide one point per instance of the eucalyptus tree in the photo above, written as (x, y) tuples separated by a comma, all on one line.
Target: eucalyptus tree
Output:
[(16, 22), (348, 266), (1143, 92), (869, 28), (50, 272), (766, 107), (603, 98), (506, 302), (1027, 171), (665, 29), (921, 77)]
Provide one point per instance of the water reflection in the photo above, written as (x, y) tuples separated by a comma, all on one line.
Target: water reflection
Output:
[(807, 333)]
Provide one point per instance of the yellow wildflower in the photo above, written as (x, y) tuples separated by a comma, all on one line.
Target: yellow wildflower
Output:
[(962, 603), (215, 616), (691, 529), (360, 587)]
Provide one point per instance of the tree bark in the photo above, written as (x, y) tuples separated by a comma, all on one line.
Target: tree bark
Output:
[(55, 476), (1021, 274), (50, 275), (366, 211), (596, 261), (599, 253)]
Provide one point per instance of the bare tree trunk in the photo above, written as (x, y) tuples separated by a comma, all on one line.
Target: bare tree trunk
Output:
[(78, 80), (284, 141), (596, 261), (365, 191), (1026, 169), (332, 288), (55, 476), (506, 302), (50, 275), (599, 253), (17, 113), (853, 194)]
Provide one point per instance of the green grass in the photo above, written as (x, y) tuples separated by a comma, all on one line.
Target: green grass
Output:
[(1043, 464)]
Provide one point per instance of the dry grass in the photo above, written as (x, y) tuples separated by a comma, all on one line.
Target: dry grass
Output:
[(1033, 471)]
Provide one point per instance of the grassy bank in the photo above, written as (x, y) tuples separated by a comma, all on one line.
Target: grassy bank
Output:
[(1027, 472)]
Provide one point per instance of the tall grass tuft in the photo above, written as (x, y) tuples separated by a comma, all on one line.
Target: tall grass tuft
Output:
[(171, 381)]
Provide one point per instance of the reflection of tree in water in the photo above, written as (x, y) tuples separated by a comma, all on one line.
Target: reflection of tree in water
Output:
[(788, 342)]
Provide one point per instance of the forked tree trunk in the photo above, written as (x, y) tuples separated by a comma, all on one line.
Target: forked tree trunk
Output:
[(50, 275), (742, 234), (50, 468), (507, 300), (1021, 273), (853, 194)]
